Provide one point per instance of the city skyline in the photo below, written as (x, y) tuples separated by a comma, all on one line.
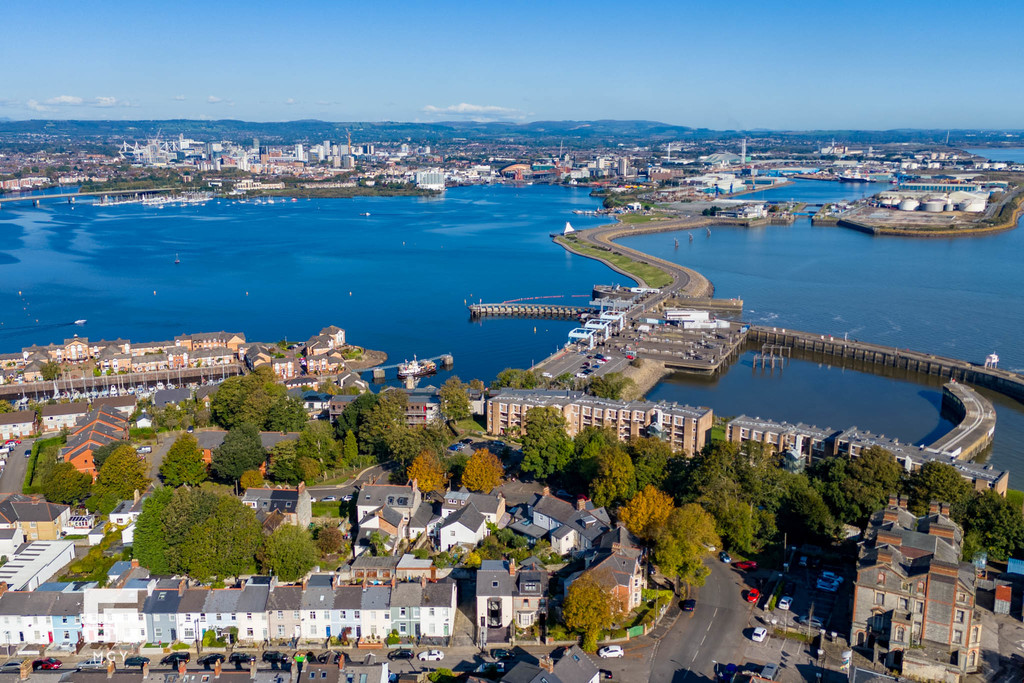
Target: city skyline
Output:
[(797, 67)]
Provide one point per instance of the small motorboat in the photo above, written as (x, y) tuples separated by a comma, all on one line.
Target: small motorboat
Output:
[(81, 321)]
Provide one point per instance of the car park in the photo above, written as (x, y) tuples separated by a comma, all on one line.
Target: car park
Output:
[(211, 660), (401, 653), (48, 664), (430, 656), (785, 602), (753, 595), (175, 657), (689, 605), (725, 557), (611, 652), (759, 634), (746, 565), (136, 661)]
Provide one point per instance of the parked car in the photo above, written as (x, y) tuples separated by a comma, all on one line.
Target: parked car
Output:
[(211, 660), (689, 605), (604, 673), (347, 497), (759, 634), (431, 656), (831, 576), (328, 499), (827, 586), (274, 657), (175, 657), (48, 664), (11, 665), (746, 565), (142, 450), (611, 652), (803, 561), (240, 658), (503, 655), (490, 668), (725, 557), (401, 653), (136, 661), (813, 622), (753, 595), (94, 663), (785, 602)]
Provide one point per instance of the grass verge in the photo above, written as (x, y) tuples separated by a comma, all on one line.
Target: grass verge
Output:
[(650, 275)]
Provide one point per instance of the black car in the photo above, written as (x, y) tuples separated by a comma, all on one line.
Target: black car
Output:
[(210, 660), (689, 605), (403, 653), (175, 657), (325, 657), (240, 658), (503, 655), (605, 673), (274, 657), (136, 660)]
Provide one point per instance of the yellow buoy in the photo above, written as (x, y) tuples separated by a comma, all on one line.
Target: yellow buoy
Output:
[(350, 293), (247, 293), (154, 292), (535, 329)]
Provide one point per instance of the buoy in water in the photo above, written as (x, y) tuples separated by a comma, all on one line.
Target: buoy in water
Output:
[(154, 292)]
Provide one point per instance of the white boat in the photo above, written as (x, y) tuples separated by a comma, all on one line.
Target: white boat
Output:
[(365, 214), (81, 321)]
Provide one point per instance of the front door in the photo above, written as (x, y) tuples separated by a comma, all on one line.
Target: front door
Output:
[(328, 631)]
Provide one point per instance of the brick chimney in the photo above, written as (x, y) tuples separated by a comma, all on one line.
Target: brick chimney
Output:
[(423, 581), (547, 664), (181, 668), (884, 555), (217, 668), (546, 491), (145, 670), (111, 668), (301, 487), (341, 661), (581, 503), (135, 563), (414, 484), (933, 507), (433, 573), (3, 587), (944, 509), (894, 500), (511, 567)]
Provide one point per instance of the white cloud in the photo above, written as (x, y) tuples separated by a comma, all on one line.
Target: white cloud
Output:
[(213, 99), (290, 100), (64, 100), (35, 106), (179, 98), (483, 112)]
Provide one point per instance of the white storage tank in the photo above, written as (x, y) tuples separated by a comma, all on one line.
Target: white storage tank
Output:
[(972, 205), (909, 205), (933, 205), (950, 206)]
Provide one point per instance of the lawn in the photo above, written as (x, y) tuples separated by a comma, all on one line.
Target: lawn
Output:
[(328, 509), (651, 275)]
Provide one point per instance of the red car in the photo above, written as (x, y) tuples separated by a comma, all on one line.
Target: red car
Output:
[(630, 356), (48, 663), (13, 442), (753, 595), (747, 565)]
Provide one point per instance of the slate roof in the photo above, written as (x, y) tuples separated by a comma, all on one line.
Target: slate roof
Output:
[(493, 579), (468, 517), (168, 396), (285, 598), (20, 508), (376, 597)]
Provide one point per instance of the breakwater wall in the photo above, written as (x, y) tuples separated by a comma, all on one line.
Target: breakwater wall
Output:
[(1003, 381)]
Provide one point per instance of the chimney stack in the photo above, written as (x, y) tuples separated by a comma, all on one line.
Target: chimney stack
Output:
[(894, 500), (547, 664), (944, 509), (581, 503), (253, 666), (145, 670), (135, 563), (546, 491), (341, 661), (511, 567), (217, 668), (933, 507), (111, 668), (181, 668)]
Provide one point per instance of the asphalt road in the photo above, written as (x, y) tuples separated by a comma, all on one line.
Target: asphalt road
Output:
[(13, 477)]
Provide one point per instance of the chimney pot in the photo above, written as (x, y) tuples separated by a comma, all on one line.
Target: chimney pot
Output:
[(111, 668), (546, 491), (181, 668), (217, 668)]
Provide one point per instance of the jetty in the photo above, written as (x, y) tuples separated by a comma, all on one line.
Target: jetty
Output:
[(528, 310)]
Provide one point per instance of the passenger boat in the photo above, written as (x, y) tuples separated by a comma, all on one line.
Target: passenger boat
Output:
[(416, 368)]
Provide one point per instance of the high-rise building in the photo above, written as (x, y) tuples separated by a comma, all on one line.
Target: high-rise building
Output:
[(300, 155)]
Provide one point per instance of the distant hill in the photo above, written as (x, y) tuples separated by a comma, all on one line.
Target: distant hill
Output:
[(570, 133)]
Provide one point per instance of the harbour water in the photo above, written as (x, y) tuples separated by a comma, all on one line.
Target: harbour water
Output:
[(1008, 154), (399, 279)]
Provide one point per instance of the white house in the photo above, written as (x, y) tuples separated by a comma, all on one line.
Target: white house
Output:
[(17, 425), (467, 527), (114, 615), (437, 608), (375, 608)]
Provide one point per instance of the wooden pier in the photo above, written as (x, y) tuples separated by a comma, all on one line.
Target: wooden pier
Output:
[(528, 310)]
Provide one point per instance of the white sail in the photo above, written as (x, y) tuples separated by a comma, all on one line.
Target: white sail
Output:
[(568, 228)]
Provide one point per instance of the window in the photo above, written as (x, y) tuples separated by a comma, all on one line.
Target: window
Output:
[(920, 607), (904, 604), (280, 631), (431, 611), (158, 632), (959, 616), (312, 615), (342, 614), (958, 637), (296, 615), (248, 615), (881, 577), (67, 635), (327, 615), (280, 614), (401, 612), (879, 598), (356, 614)]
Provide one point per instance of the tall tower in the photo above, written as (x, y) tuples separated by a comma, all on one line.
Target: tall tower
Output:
[(743, 152)]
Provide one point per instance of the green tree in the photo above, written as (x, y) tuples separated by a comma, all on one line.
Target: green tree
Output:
[(316, 441), (307, 469), (241, 450), (350, 449), (6, 407), (681, 544), (612, 385), (50, 370), (516, 379), (149, 545), (355, 414), (378, 544), (286, 414), (384, 426), (872, 478), (224, 544), (938, 481), (615, 480), (546, 447), (483, 471), (454, 398), (995, 525), (282, 463), (805, 515), (588, 609), (184, 463), (121, 475), (651, 457), (288, 553), (65, 484), (100, 455), (257, 399)]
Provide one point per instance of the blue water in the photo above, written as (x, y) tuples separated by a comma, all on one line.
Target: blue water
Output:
[(999, 154), (397, 280)]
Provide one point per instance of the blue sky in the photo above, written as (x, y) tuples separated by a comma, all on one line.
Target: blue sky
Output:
[(722, 65)]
